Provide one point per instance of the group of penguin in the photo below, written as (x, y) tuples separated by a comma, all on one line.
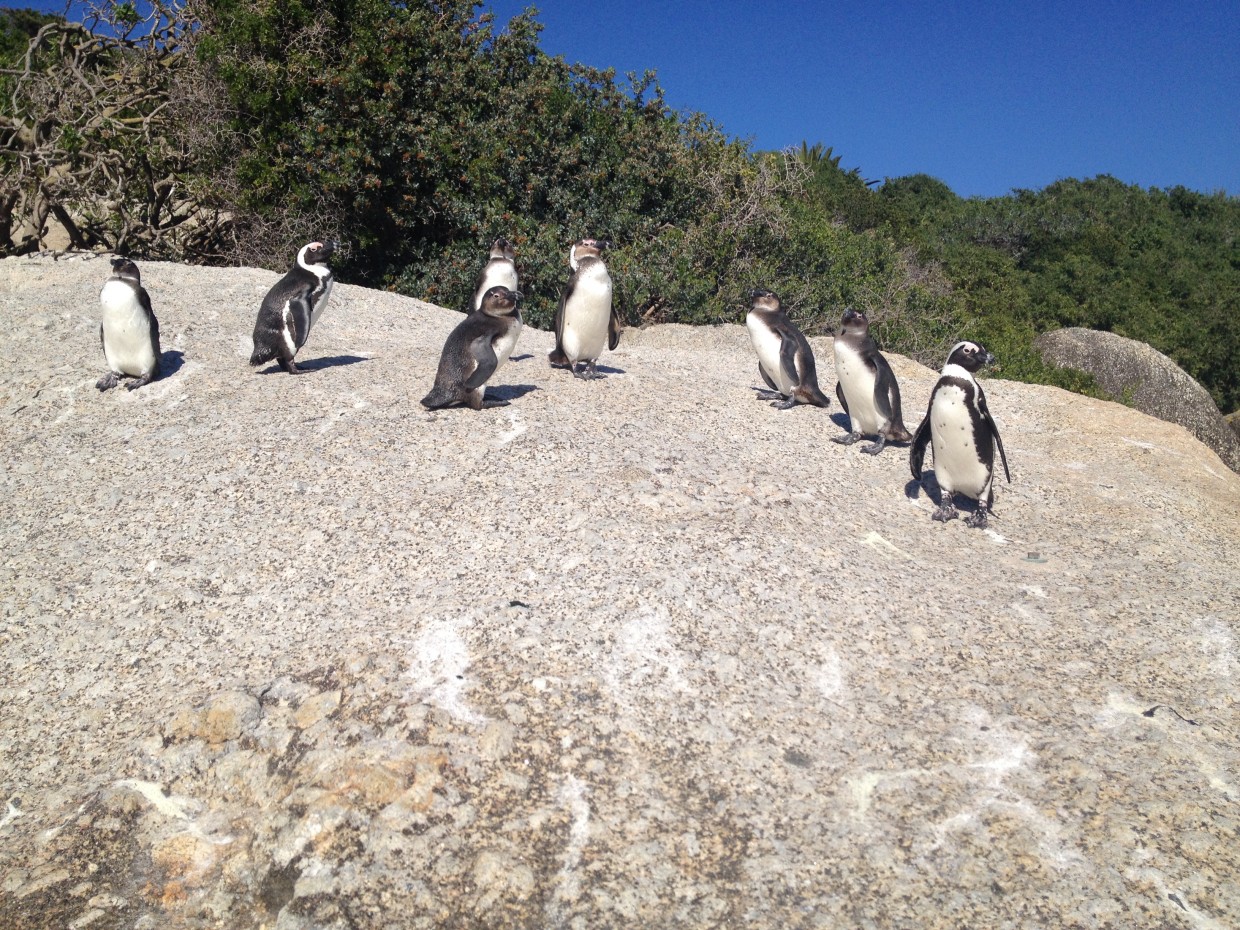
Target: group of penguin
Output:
[(957, 424)]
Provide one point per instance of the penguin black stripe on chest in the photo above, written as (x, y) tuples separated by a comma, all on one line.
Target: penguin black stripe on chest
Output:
[(292, 307), (587, 318)]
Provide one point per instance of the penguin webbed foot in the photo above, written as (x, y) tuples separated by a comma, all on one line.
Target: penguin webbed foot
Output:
[(764, 394), (786, 404), (847, 440), (488, 404), (947, 510), (107, 382), (140, 382), (290, 366), (588, 372), (977, 519), (875, 447)]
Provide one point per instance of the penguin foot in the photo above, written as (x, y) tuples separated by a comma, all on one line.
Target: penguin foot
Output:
[(140, 382), (588, 373), (875, 447), (290, 366), (847, 440), (488, 404), (107, 382), (946, 512), (977, 520), (786, 404), (770, 395)]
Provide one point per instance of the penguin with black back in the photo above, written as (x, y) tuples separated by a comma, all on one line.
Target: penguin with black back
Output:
[(128, 331), (293, 306), (867, 388), (501, 268), (785, 359), (963, 434), (475, 350), (587, 318)]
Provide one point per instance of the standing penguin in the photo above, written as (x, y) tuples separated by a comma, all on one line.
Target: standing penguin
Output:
[(293, 306), (586, 317), (129, 331), (475, 350), (500, 268), (867, 388), (785, 360), (964, 436)]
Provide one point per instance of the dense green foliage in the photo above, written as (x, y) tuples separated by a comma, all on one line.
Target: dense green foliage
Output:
[(417, 132)]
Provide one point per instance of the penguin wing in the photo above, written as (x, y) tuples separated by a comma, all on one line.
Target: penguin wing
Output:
[(613, 327), (994, 431), (917, 452), (789, 347), (884, 385), (145, 299), (483, 354)]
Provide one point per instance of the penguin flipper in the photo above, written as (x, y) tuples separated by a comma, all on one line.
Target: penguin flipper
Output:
[(917, 452), (839, 395), (483, 354), (558, 358), (994, 431), (613, 328)]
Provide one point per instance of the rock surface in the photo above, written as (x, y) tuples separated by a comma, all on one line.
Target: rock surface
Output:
[(1126, 368), (294, 652)]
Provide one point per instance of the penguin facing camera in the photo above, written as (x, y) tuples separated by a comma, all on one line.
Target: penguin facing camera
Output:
[(475, 350), (293, 306), (587, 318), (963, 434), (500, 269), (785, 359), (867, 388), (128, 331)]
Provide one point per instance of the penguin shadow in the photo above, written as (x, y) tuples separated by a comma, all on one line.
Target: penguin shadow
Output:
[(842, 420), (507, 392), (170, 363), (317, 364), (609, 370), (520, 358)]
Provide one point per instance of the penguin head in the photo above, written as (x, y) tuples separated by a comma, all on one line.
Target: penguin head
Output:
[(502, 248), (854, 321), (586, 248), (317, 253), (499, 301), (970, 356), (126, 270), (762, 299)]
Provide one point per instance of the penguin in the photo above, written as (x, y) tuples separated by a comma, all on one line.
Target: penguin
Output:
[(964, 436), (785, 360), (500, 269), (293, 306), (587, 317), (867, 388), (128, 331), (475, 350)]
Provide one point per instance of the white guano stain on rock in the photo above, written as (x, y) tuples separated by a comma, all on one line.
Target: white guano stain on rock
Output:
[(438, 661)]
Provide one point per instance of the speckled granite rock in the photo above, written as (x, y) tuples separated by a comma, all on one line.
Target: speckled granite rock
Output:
[(1156, 385), (294, 652)]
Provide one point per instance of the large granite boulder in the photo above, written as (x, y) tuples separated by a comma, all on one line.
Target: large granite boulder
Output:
[(1143, 376), (296, 653)]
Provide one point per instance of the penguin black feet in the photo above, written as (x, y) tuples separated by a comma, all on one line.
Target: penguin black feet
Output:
[(769, 395), (847, 440), (875, 447), (785, 404), (290, 366), (587, 373), (977, 520), (108, 381), (947, 511), (143, 381)]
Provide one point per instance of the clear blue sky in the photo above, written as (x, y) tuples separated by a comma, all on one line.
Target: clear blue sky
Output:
[(986, 96)]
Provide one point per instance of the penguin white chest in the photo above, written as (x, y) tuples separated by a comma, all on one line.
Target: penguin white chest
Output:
[(319, 299), (858, 383), (586, 315), (127, 344), (504, 345), (497, 274), (767, 344), (957, 460)]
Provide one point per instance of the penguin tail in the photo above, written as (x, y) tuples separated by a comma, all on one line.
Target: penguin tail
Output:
[(436, 399), (262, 354), (557, 358)]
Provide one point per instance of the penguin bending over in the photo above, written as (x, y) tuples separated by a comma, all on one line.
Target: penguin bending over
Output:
[(128, 331), (500, 268), (293, 306), (867, 388), (963, 434), (586, 318), (475, 350), (785, 359)]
